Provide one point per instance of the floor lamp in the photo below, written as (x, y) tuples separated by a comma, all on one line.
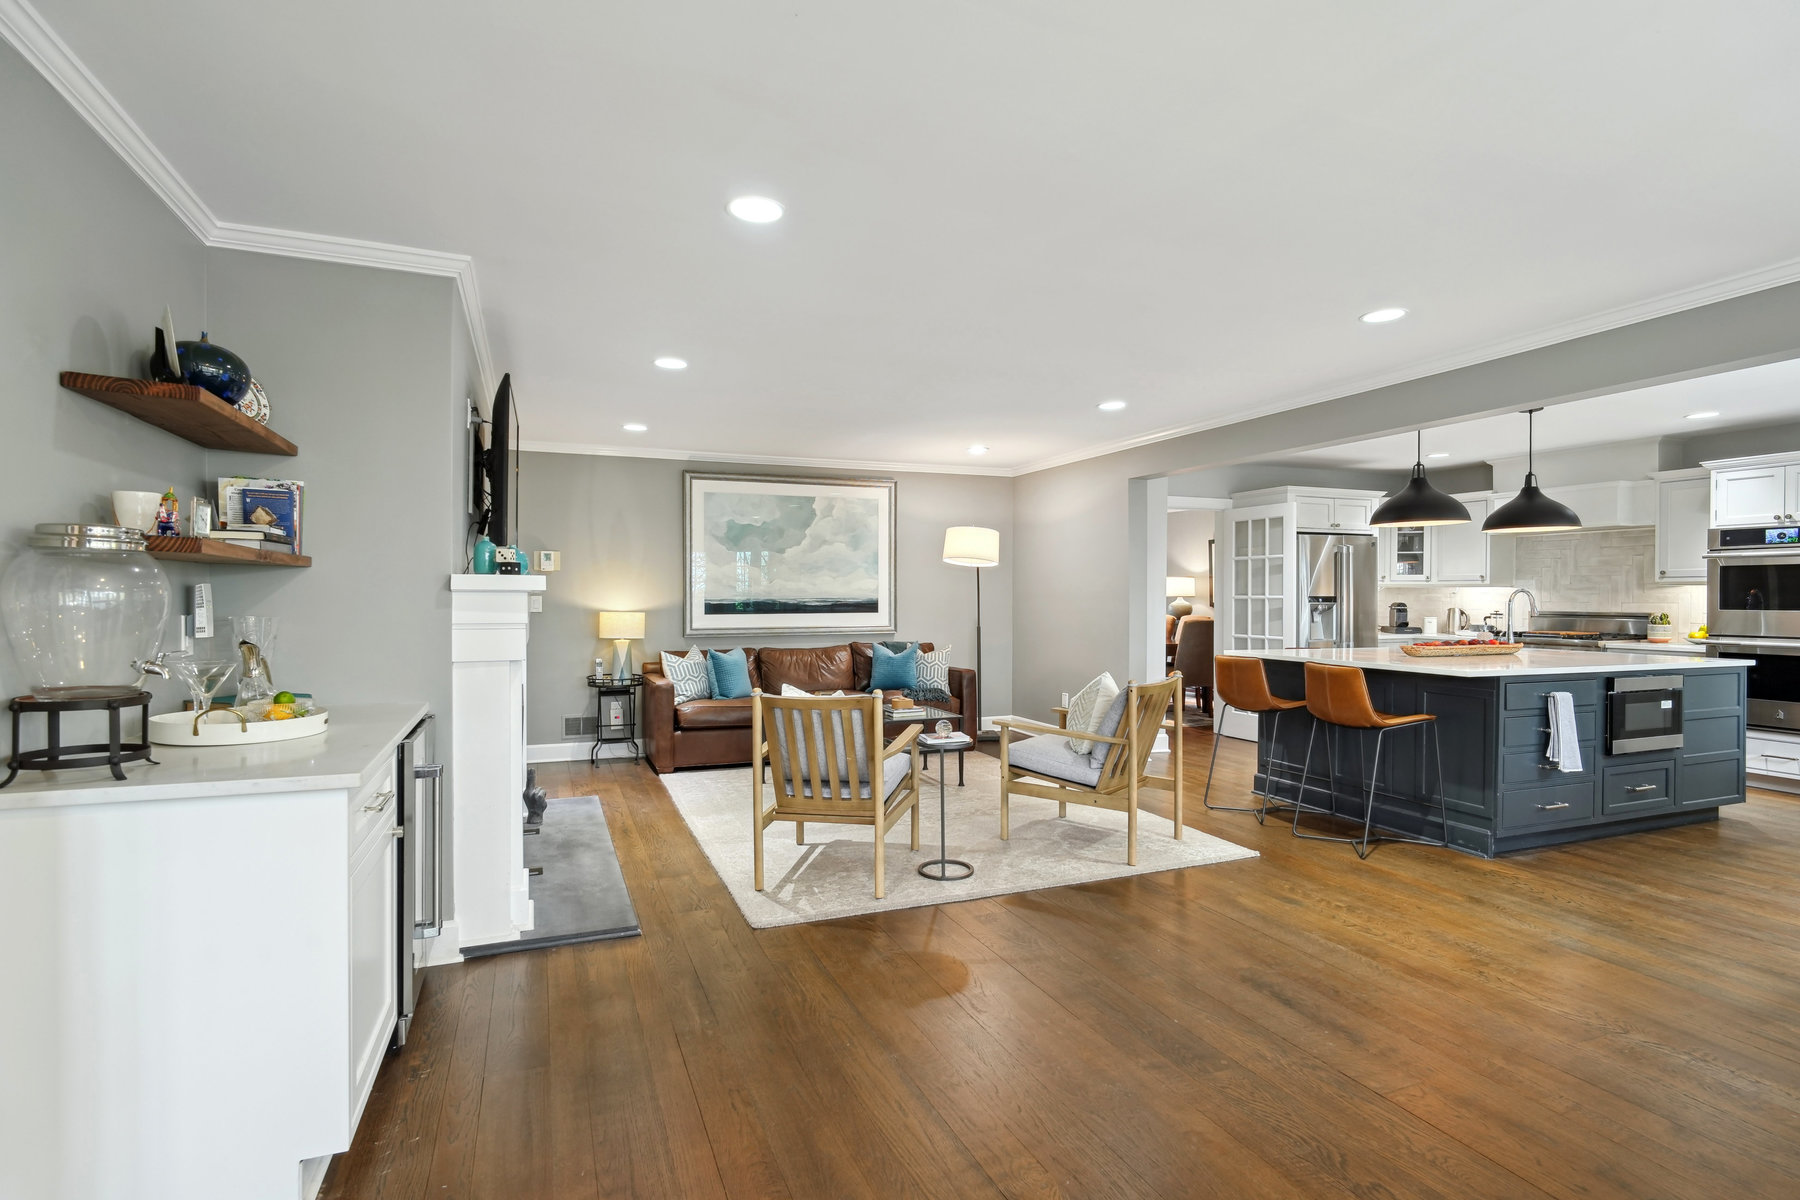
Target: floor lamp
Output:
[(973, 546)]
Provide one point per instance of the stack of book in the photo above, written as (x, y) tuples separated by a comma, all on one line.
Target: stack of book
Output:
[(262, 514), (947, 741), (905, 713)]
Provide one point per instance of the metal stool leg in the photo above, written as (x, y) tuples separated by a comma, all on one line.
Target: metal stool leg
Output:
[(1204, 801)]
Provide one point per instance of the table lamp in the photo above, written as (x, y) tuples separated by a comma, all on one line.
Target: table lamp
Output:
[(621, 629), (973, 546), (1180, 589)]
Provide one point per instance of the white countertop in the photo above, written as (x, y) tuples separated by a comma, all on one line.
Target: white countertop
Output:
[(1678, 646), (1525, 662), (349, 752)]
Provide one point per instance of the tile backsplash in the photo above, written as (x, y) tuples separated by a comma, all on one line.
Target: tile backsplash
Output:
[(1597, 570)]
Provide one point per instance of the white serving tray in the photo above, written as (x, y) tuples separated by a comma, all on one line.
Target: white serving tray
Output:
[(221, 728)]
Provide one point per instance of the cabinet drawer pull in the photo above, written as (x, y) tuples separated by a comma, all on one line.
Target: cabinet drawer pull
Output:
[(1552, 807), (1543, 729), (1642, 787), (1781, 758), (382, 800)]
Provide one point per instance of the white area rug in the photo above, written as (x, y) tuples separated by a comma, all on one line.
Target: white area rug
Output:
[(834, 874)]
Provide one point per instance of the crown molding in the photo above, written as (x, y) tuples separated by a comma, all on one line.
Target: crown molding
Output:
[(763, 460), (25, 28), (1698, 296)]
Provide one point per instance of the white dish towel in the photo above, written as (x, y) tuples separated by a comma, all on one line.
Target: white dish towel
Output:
[(1565, 740)]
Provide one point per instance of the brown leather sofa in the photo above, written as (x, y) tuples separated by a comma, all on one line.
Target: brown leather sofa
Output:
[(713, 733)]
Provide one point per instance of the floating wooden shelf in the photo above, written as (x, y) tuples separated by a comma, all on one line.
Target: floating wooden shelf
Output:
[(211, 550), (185, 411)]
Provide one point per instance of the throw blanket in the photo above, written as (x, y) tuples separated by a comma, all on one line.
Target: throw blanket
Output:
[(1565, 739)]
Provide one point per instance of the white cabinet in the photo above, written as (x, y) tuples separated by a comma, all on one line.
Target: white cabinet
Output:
[(1753, 495), (1324, 510), (1682, 516), (1438, 554), (1460, 552), (1776, 757), (374, 934)]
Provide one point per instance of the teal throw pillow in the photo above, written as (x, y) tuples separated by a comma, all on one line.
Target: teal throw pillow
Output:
[(730, 672), (894, 672)]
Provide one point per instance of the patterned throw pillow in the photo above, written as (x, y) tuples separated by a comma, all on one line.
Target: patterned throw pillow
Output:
[(689, 675), (934, 672), (1087, 708)]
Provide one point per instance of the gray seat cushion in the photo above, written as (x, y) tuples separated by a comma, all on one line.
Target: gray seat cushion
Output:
[(1049, 755), (893, 773)]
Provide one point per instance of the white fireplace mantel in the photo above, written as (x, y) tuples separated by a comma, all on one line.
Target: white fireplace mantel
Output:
[(489, 629)]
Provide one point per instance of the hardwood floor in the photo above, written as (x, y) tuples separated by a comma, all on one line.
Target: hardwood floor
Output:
[(1615, 1019)]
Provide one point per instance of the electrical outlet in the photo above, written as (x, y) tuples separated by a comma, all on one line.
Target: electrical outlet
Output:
[(615, 713), (536, 602)]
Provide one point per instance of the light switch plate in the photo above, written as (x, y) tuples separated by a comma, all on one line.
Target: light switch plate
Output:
[(537, 603)]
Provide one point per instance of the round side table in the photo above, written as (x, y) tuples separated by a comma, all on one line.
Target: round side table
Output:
[(943, 868)]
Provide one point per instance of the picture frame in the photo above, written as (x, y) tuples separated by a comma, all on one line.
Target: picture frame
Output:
[(786, 554)]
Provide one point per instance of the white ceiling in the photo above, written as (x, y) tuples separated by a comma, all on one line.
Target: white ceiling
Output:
[(999, 213), (1755, 396)]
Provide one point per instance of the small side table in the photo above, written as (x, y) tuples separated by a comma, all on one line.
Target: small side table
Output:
[(943, 868), (628, 687)]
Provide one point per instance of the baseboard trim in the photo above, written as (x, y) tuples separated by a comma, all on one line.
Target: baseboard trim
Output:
[(545, 752)]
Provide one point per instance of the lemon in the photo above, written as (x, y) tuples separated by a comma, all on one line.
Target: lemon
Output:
[(285, 697), (279, 712)]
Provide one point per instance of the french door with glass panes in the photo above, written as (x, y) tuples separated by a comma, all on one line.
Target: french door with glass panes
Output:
[(1260, 554)]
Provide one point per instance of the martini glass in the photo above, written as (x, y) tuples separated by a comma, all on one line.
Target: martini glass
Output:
[(203, 677)]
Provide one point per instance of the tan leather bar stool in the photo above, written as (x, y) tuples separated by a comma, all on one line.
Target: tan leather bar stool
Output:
[(1241, 683), (1338, 698)]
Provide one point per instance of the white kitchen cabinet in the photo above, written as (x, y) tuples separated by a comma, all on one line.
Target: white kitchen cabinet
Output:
[(1460, 553), (1324, 510), (374, 953), (1682, 518), (202, 982), (1438, 554), (1790, 511), (1755, 495)]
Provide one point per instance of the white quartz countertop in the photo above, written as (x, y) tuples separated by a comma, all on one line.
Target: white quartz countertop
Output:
[(1678, 646), (1490, 666), (357, 743)]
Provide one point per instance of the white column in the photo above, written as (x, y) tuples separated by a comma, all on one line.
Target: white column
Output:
[(489, 627)]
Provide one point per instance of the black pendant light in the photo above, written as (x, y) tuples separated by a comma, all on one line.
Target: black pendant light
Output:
[(1530, 511), (1418, 503)]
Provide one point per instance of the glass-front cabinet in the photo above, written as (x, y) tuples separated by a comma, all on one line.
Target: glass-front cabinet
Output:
[(1446, 553)]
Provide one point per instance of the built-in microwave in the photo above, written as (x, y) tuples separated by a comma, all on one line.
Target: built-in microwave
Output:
[(1753, 582), (1643, 712)]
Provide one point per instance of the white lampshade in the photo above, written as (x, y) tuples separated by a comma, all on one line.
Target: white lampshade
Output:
[(971, 546), (1180, 585), (617, 626)]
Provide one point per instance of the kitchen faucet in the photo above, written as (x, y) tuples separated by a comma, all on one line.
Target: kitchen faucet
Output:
[(1529, 599)]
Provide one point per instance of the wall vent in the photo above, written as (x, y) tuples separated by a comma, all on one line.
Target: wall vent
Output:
[(578, 728)]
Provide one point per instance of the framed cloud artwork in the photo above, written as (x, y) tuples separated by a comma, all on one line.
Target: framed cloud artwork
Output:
[(785, 554)]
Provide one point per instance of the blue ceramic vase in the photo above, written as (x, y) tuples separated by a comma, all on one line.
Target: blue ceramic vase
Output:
[(214, 368)]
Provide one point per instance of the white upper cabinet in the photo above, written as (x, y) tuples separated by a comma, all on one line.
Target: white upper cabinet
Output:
[(1320, 510), (1682, 516), (1755, 495), (1459, 553), (1447, 553)]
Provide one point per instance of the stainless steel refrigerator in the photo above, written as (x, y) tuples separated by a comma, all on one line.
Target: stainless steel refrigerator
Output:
[(1337, 601)]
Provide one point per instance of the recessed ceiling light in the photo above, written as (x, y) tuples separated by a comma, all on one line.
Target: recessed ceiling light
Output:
[(1439, 454), (977, 449), (669, 362), (758, 210), (1701, 416), (634, 427), (1111, 405), (1382, 316)]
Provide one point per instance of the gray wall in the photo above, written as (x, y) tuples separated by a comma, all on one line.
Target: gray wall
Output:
[(617, 522), (357, 363), (91, 256), (1085, 504), (1731, 443)]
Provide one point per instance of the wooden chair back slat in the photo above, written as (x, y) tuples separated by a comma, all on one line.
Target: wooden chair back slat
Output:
[(1144, 711), (813, 744)]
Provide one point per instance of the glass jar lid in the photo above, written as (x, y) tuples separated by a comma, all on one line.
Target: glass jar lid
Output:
[(53, 536)]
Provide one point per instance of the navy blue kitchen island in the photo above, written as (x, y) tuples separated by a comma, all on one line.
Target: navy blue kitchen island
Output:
[(1501, 794)]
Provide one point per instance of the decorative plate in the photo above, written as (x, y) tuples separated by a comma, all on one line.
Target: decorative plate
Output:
[(255, 403)]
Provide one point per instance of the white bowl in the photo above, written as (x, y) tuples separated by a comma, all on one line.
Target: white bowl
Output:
[(136, 510)]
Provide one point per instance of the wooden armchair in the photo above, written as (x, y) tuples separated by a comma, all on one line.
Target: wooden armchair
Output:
[(823, 755), (1043, 765)]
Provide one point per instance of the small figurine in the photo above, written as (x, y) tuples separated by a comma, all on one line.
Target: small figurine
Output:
[(168, 515)]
